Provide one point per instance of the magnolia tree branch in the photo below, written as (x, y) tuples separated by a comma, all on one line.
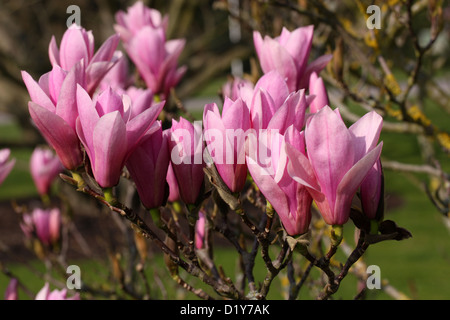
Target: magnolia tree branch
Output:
[(146, 231)]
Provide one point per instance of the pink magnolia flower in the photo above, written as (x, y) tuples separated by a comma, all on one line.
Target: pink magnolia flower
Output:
[(54, 111), (200, 226), (110, 128), (77, 45), (186, 147), (44, 168), (143, 31), (11, 291), (6, 165), (46, 294), (156, 59), (148, 166), (367, 130), (336, 162), (231, 89), (44, 223), (137, 17), (318, 90), (289, 54), (225, 136), (174, 191), (271, 104), (290, 199)]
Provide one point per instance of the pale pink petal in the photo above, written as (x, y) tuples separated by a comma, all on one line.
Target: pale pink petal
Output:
[(58, 134), (110, 148), (37, 94), (351, 182), (330, 150)]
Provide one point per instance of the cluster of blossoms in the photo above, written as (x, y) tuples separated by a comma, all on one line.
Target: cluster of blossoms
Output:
[(42, 225), (279, 132)]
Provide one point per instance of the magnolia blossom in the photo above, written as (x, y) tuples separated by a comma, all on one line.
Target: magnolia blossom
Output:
[(44, 223), (54, 111), (186, 148), (110, 128), (290, 199), (44, 168), (46, 294), (148, 166), (143, 31), (225, 136), (337, 160), (368, 129), (6, 165), (272, 105), (77, 45), (137, 17), (156, 59), (231, 89), (289, 54)]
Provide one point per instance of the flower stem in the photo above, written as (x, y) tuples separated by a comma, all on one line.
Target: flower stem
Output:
[(79, 180), (109, 196)]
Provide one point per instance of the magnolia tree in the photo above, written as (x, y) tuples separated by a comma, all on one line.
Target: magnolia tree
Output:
[(274, 169)]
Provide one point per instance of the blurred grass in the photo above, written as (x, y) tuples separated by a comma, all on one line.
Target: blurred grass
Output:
[(19, 184)]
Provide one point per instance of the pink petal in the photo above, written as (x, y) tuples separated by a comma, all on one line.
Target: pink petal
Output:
[(88, 118), (236, 116), (66, 106), (54, 83), (107, 49), (74, 47), (58, 134), (259, 43), (275, 85), (43, 293), (5, 169), (143, 102), (138, 126), (11, 290), (351, 182), (316, 66), (110, 148), (298, 45), (366, 132), (53, 52), (317, 88), (371, 190), (95, 73), (330, 150), (109, 101), (280, 60), (300, 169), (261, 109)]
